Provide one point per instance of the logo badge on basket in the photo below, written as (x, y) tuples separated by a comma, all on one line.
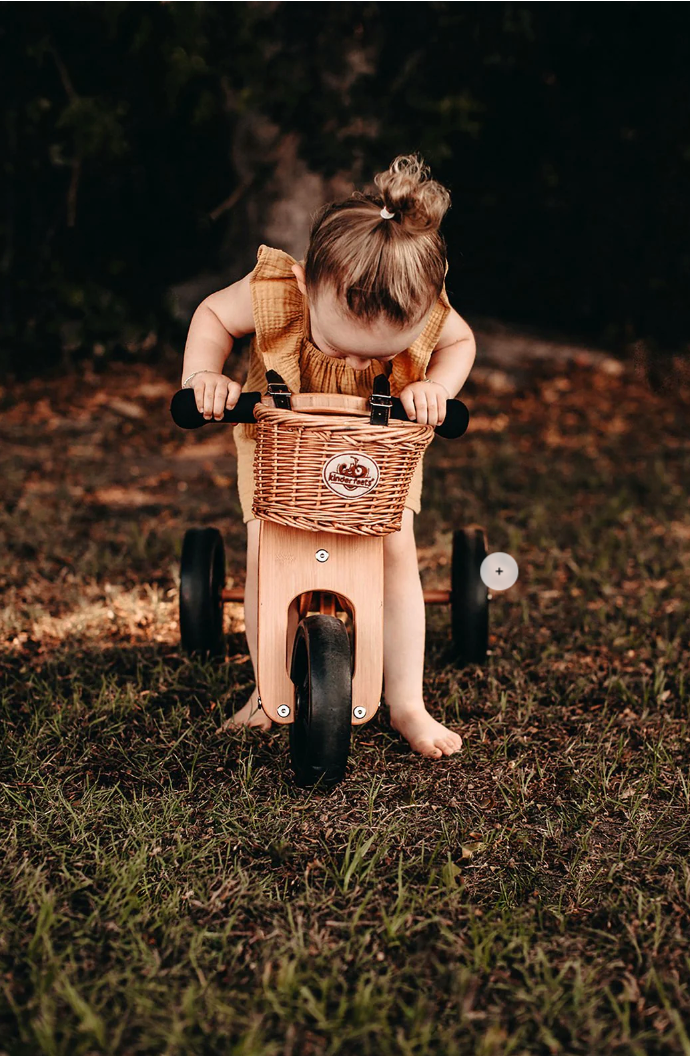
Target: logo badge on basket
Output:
[(351, 474)]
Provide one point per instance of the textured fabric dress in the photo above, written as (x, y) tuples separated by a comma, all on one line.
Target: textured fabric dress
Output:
[(282, 342)]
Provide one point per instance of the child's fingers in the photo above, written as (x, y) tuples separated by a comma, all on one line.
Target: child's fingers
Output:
[(209, 397), (432, 416), (215, 392), (213, 396), (429, 407), (197, 388), (439, 412), (407, 400), (220, 398), (234, 392), (227, 395), (422, 406), (432, 409)]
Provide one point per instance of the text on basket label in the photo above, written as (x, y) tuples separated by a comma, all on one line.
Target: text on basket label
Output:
[(351, 474)]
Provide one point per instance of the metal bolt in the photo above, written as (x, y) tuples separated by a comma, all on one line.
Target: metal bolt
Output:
[(322, 555), (283, 710), (359, 712)]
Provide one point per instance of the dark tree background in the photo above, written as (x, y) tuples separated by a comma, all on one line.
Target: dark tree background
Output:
[(147, 144)]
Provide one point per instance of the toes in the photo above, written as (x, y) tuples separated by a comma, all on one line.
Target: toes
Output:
[(436, 749), (432, 751)]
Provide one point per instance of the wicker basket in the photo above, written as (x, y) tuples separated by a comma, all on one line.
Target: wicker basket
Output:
[(334, 472)]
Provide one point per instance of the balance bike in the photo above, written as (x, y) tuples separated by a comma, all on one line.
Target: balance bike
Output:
[(331, 478)]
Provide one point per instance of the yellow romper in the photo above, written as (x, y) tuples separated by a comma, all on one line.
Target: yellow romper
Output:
[(282, 342)]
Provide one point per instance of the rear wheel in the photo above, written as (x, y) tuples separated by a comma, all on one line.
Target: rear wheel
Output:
[(202, 578), (321, 671), (469, 598)]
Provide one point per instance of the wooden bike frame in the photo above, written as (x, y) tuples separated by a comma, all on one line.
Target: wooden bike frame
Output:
[(350, 578)]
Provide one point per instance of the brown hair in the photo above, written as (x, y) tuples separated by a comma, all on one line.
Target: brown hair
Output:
[(391, 268)]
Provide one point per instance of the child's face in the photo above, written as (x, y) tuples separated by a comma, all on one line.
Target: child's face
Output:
[(346, 338)]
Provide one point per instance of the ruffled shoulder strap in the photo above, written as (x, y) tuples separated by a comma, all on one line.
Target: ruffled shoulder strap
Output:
[(278, 309), (411, 364)]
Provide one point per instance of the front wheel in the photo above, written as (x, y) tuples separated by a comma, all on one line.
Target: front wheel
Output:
[(321, 671)]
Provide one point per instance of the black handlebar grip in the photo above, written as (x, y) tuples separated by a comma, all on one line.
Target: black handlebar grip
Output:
[(184, 410), (454, 424), (185, 414), (456, 421)]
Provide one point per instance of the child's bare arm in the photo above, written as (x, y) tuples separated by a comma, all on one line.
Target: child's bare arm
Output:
[(452, 359), (448, 368), (218, 320)]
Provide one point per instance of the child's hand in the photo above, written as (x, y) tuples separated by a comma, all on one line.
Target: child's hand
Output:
[(425, 402), (215, 393)]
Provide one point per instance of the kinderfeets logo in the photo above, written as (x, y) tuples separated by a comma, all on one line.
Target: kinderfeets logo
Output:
[(351, 474)]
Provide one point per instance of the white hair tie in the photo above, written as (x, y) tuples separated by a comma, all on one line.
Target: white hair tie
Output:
[(386, 215)]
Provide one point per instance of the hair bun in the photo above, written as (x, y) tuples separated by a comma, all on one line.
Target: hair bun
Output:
[(407, 189)]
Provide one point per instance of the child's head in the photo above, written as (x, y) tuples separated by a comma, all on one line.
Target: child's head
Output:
[(371, 282)]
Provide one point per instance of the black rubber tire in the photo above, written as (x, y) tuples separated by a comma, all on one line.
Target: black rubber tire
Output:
[(202, 579), (321, 670), (469, 604)]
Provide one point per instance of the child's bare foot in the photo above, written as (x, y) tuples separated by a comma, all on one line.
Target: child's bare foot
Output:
[(425, 734), (248, 715)]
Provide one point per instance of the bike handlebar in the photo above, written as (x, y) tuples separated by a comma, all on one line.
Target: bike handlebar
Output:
[(185, 413)]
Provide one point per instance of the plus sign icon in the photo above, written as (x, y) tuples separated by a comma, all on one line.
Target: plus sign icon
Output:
[(499, 571)]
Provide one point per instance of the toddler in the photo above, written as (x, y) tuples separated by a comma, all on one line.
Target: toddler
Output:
[(368, 298)]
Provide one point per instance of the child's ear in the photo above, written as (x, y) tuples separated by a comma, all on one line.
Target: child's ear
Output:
[(298, 271)]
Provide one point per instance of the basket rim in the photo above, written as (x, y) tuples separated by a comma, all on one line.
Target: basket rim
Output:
[(321, 421)]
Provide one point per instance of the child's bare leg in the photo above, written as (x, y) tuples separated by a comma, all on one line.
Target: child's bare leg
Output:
[(249, 714), (403, 648)]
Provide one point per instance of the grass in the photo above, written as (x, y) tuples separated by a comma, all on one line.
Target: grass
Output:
[(165, 888)]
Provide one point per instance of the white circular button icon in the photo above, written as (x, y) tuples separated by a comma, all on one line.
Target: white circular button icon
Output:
[(499, 571)]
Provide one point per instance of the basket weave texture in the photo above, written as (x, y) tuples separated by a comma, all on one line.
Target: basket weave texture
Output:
[(334, 473)]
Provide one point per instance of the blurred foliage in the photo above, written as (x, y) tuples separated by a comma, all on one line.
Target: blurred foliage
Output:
[(562, 131)]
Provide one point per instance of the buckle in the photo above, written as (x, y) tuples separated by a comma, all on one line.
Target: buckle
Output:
[(380, 401), (278, 390)]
